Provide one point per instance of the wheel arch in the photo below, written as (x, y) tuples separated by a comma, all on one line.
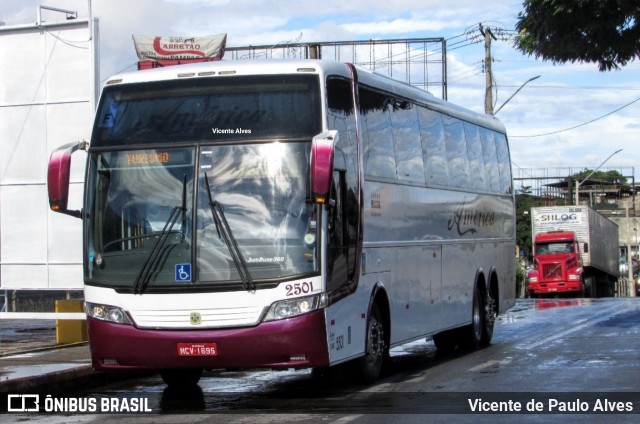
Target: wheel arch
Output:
[(380, 297)]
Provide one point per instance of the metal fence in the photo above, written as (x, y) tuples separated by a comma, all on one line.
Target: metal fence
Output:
[(421, 62)]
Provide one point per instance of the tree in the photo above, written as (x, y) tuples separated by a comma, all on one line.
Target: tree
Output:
[(606, 32), (612, 177)]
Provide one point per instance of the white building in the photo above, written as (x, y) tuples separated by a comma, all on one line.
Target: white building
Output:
[(47, 98)]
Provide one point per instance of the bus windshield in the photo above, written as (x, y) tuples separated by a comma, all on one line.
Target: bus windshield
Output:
[(202, 181), (261, 192), (140, 235)]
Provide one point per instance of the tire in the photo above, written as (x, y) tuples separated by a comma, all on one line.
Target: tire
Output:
[(477, 327), (490, 314), (376, 351), (590, 287), (475, 335), (480, 332), (181, 377)]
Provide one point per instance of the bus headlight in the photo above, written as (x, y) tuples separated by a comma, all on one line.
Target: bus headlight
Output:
[(106, 313), (294, 307)]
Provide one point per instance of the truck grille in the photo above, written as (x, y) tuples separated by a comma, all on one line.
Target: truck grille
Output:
[(552, 270)]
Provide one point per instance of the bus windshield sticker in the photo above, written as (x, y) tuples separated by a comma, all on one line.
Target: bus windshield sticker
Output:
[(183, 272)]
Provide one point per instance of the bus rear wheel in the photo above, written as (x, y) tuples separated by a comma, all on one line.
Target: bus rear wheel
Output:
[(376, 350), (181, 377), (490, 312), (480, 332)]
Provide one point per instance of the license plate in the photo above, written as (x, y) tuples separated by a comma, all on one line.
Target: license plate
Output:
[(197, 349)]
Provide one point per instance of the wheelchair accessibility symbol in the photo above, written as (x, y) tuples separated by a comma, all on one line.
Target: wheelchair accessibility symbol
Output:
[(183, 272)]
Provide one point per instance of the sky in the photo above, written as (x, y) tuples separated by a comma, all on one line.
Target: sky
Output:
[(572, 116)]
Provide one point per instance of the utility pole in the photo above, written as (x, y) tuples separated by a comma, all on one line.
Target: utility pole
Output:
[(488, 94), (631, 284)]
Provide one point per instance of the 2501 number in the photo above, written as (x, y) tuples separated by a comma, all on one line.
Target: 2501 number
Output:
[(297, 289)]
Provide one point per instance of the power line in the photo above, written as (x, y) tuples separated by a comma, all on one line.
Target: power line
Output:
[(578, 87), (580, 125), (464, 76)]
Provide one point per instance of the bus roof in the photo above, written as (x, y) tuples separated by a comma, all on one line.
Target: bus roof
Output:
[(231, 67), (321, 67)]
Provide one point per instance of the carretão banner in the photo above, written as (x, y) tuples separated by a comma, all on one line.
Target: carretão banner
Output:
[(180, 48)]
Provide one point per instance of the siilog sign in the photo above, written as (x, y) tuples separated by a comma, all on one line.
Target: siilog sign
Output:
[(570, 216), (179, 48)]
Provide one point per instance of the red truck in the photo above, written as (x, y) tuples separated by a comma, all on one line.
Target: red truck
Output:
[(575, 251)]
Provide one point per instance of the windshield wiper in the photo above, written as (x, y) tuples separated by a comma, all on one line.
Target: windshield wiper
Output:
[(225, 233), (151, 263)]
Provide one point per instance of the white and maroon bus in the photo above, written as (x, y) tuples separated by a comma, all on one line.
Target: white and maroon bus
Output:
[(286, 214)]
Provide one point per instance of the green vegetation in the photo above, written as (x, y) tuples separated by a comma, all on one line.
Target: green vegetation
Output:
[(605, 177), (606, 32)]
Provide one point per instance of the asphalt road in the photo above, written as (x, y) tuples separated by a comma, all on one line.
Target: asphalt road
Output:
[(574, 360)]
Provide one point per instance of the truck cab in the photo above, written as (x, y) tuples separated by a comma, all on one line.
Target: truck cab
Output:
[(557, 265)]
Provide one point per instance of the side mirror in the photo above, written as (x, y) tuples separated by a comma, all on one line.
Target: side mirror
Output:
[(322, 149), (59, 175)]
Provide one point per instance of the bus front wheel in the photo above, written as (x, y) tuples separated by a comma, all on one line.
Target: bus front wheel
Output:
[(375, 349)]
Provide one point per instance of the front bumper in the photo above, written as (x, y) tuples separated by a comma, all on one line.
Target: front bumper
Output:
[(555, 287), (298, 342)]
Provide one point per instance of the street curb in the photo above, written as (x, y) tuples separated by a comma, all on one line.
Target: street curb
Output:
[(68, 381), (43, 349), (54, 382)]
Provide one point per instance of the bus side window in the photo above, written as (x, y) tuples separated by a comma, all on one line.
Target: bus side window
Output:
[(406, 138), (475, 157), (504, 164), (456, 152), (379, 152), (339, 99), (344, 215), (434, 149), (490, 160), (339, 269)]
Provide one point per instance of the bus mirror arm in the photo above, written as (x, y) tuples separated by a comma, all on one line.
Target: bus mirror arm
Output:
[(321, 165), (59, 176)]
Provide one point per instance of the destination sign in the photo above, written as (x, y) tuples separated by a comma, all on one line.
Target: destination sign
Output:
[(153, 158)]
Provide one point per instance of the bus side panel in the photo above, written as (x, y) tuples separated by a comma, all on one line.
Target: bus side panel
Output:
[(460, 262), (346, 320), (507, 276), (416, 292), (458, 281)]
